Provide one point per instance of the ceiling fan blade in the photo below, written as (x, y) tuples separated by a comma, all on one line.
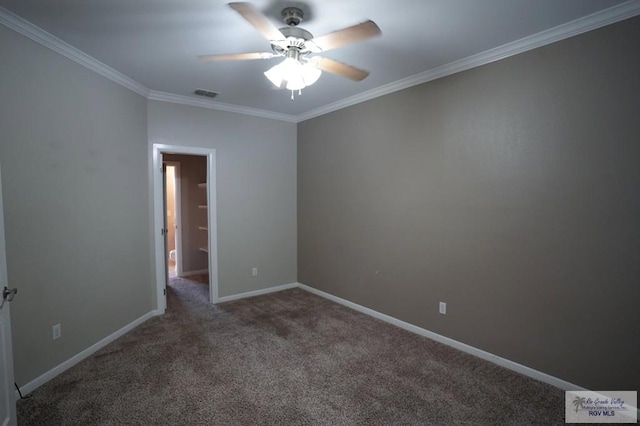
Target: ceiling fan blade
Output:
[(348, 35), (237, 56), (258, 20), (335, 67)]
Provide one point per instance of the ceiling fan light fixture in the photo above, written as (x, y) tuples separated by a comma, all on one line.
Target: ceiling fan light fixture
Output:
[(310, 73), (293, 74), (282, 72)]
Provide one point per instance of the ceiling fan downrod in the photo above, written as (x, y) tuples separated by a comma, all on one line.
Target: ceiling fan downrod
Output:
[(292, 16)]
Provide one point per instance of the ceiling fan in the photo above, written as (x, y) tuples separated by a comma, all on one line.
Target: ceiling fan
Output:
[(296, 45)]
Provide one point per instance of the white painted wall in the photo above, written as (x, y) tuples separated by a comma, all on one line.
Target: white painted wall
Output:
[(256, 189), (73, 149)]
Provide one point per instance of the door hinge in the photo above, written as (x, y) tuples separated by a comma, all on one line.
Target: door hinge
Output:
[(164, 290)]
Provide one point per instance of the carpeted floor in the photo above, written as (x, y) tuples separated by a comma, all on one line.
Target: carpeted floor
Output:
[(287, 358)]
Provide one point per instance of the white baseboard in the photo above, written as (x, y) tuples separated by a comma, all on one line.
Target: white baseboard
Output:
[(44, 378), (511, 365), (522, 369), (257, 292), (192, 273)]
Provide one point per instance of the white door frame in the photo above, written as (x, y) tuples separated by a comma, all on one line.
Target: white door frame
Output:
[(6, 354), (158, 219), (178, 214)]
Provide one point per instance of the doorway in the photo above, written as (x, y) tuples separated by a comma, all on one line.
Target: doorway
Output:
[(173, 203), (202, 197)]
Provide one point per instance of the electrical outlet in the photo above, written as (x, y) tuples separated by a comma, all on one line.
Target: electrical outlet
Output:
[(443, 308), (57, 331), (254, 272)]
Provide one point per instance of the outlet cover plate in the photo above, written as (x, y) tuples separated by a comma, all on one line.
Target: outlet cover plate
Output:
[(57, 331)]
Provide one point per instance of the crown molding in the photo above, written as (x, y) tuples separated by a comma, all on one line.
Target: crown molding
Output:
[(588, 23), (582, 25), (37, 34), (155, 95)]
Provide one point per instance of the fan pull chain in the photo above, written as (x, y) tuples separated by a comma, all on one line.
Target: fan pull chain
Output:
[(292, 94)]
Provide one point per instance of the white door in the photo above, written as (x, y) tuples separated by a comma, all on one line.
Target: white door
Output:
[(7, 395)]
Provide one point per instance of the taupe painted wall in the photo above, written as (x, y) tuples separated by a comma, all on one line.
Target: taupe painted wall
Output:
[(256, 189), (193, 170), (510, 191), (73, 149)]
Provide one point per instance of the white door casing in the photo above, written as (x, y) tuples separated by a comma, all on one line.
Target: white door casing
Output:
[(7, 394), (158, 217)]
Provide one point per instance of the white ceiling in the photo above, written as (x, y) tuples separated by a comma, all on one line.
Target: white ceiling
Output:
[(155, 42)]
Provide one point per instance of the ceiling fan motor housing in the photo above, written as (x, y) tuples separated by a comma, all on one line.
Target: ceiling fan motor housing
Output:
[(296, 38), (296, 32)]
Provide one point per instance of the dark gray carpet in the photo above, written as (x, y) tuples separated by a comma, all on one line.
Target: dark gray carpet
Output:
[(288, 358)]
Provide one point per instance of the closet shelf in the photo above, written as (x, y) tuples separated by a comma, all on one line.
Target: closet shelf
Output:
[(203, 227)]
